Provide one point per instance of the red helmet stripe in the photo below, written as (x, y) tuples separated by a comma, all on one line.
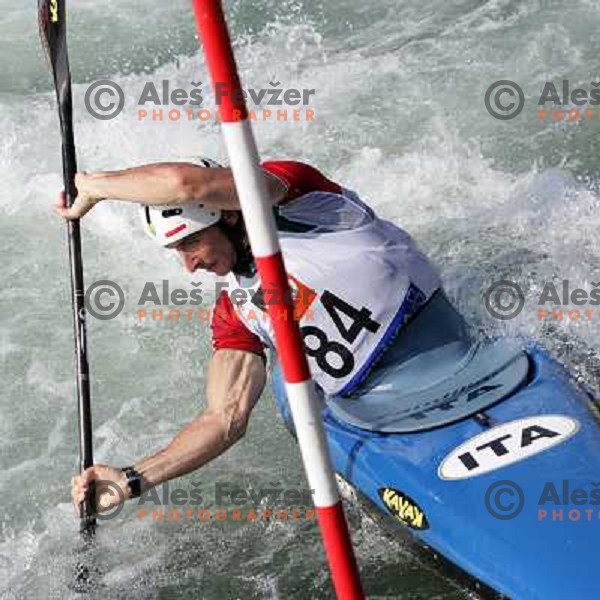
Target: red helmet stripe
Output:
[(176, 230)]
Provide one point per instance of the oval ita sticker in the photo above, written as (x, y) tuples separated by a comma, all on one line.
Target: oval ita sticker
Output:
[(507, 444), (404, 508)]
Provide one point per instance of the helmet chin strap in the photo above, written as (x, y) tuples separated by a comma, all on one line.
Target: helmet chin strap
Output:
[(244, 264)]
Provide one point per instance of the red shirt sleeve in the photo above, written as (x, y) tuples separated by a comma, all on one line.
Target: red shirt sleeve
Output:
[(300, 178), (228, 332)]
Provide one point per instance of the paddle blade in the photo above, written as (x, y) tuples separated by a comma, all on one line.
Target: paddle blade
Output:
[(51, 21), (53, 33)]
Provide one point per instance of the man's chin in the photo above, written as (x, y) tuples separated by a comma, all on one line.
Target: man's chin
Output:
[(221, 270)]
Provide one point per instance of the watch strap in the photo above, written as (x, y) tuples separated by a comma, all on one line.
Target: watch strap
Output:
[(134, 481)]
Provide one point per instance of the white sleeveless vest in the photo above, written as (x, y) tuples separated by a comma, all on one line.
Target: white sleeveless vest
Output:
[(358, 279)]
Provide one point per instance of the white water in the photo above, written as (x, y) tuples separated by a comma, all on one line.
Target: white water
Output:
[(399, 118)]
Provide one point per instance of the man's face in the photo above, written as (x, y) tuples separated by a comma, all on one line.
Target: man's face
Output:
[(209, 249)]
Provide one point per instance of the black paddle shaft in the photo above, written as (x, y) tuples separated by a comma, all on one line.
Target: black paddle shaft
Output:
[(51, 15)]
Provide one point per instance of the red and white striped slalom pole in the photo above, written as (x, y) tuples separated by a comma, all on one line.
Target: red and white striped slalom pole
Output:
[(260, 225)]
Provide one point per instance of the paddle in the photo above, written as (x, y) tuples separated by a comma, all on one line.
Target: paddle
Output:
[(51, 18)]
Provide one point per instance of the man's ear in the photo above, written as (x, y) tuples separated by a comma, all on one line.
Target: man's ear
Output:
[(231, 217)]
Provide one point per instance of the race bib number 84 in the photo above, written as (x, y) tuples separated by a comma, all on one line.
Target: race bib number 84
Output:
[(334, 357)]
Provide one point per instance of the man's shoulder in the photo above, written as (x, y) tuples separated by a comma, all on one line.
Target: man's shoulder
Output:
[(229, 332), (300, 178)]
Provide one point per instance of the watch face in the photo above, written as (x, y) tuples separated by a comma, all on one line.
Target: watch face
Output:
[(134, 481)]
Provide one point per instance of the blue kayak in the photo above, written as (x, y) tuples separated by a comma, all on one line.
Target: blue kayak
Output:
[(486, 453)]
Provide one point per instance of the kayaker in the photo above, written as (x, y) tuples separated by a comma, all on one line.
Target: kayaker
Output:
[(361, 279)]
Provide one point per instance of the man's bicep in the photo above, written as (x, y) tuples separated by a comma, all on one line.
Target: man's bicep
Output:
[(276, 188), (222, 191), (237, 368), (235, 382), (216, 186)]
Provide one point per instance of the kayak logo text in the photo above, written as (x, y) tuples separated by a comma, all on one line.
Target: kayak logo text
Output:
[(506, 444), (557, 301), (163, 101), (404, 508), (555, 501), (504, 100)]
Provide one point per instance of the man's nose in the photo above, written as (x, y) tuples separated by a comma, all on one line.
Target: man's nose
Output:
[(190, 262)]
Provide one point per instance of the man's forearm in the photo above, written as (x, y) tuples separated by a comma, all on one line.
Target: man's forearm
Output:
[(171, 183), (162, 183), (202, 440), (235, 381)]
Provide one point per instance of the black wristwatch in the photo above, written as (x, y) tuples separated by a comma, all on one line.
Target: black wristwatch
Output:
[(134, 481)]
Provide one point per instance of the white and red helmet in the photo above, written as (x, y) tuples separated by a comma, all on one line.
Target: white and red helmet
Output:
[(170, 224)]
